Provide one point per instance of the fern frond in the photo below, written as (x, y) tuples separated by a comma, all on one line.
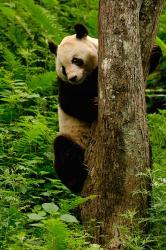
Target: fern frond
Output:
[(34, 130), (161, 44), (42, 81), (10, 59), (8, 12), (48, 23), (57, 235), (12, 15)]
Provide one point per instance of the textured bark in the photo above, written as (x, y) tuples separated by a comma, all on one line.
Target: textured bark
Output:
[(119, 147)]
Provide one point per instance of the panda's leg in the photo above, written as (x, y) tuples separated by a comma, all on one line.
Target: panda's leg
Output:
[(69, 157)]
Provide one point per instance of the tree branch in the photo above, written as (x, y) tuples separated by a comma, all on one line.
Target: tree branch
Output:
[(148, 22)]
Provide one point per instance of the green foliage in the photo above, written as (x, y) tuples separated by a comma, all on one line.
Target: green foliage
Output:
[(71, 12), (157, 124), (162, 45), (58, 234), (43, 83), (36, 211), (42, 16)]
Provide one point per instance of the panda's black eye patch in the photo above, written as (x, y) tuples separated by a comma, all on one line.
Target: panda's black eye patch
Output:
[(64, 71), (77, 61)]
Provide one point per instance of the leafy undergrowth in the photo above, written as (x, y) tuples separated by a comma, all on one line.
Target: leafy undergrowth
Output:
[(36, 210), (157, 125)]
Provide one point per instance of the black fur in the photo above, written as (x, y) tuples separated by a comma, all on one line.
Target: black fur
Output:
[(69, 157), (81, 31), (154, 58), (53, 47), (79, 100)]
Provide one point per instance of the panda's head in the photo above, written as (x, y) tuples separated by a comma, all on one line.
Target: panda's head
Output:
[(76, 56)]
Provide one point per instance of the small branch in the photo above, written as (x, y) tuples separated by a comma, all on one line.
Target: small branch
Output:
[(148, 22)]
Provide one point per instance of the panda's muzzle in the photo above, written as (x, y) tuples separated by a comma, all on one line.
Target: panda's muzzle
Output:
[(73, 79)]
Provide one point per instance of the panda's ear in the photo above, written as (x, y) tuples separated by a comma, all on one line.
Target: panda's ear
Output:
[(81, 31), (53, 47)]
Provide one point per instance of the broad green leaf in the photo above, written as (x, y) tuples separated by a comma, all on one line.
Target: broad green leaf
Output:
[(23, 189), (36, 217), (68, 218), (50, 207)]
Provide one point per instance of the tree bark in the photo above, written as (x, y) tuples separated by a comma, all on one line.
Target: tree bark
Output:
[(118, 151)]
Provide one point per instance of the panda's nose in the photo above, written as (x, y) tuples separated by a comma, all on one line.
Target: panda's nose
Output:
[(73, 79)]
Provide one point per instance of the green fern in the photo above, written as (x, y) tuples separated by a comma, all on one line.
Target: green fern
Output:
[(9, 13), (48, 23), (162, 45), (34, 131), (57, 234), (10, 59), (13, 31), (42, 82)]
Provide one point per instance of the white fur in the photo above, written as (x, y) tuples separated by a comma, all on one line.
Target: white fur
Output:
[(85, 49), (70, 126)]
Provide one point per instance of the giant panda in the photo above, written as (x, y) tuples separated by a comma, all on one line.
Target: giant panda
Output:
[(77, 70)]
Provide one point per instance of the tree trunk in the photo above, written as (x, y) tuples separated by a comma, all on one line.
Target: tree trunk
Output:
[(118, 152)]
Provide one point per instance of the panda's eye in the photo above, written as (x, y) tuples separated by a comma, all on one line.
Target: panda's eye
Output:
[(64, 71), (77, 61)]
